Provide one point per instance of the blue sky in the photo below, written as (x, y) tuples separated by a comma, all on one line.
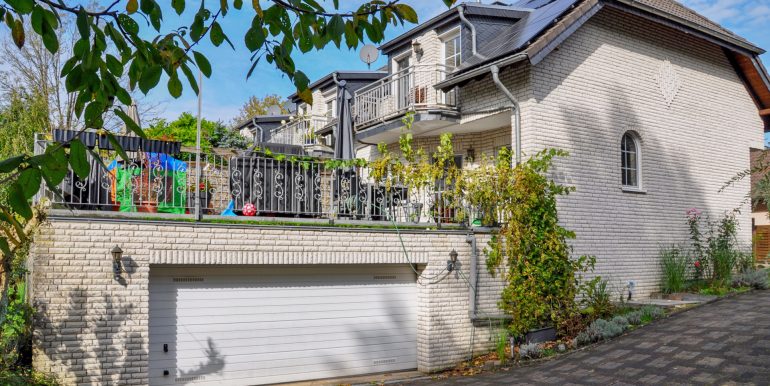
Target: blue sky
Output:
[(228, 87)]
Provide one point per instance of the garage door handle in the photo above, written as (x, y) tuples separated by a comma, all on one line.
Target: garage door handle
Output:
[(165, 347)]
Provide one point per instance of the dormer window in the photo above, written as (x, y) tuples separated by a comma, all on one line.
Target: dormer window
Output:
[(452, 51)]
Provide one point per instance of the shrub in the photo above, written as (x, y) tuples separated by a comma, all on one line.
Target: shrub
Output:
[(675, 265), (597, 299), (530, 351), (756, 279), (26, 377), (723, 262), (634, 318), (621, 321), (745, 262), (650, 313)]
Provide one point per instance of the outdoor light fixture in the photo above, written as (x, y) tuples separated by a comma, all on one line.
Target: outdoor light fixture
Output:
[(450, 264), (417, 47), (117, 262)]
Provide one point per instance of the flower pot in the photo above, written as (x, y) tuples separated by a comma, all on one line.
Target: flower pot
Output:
[(540, 335)]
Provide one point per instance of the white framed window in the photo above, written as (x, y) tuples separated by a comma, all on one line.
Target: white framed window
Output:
[(330, 113), (630, 161), (452, 52)]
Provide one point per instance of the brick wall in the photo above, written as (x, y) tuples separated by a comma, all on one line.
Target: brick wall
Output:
[(92, 329), (606, 80)]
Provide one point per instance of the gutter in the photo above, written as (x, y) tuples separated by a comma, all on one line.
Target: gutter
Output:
[(516, 132), (473, 31), (474, 280), (261, 131)]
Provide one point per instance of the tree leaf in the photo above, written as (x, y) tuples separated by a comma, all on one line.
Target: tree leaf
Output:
[(50, 40), (82, 23), (17, 32), (78, 159), (115, 145), (132, 6), (255, 38), (21, 6), (237, 4), (9, 164), (190, 77), (150, 78), (216, 34), (114, 65), (54, 165), (203, 63), (178, 6), (18, 202), (407, 13), (29, 180), (130, 124), (174, 86)]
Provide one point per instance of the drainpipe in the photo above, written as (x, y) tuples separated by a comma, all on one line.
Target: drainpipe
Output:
[(460, 11), (474, 279), (516, 132), (261, 136)]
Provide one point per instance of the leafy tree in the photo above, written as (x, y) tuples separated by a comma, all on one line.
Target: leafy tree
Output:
[(24, 115), (260, 106), (184, 129)]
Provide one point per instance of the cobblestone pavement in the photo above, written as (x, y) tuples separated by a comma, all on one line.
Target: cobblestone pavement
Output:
[(725, 342)]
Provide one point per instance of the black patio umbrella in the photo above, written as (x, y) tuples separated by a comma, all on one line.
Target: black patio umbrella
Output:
[(343, 142)]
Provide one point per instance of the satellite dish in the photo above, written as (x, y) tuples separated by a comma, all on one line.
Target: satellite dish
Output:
[(369, 54)]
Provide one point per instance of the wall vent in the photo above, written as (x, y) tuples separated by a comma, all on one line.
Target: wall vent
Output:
[(380, 362), (385, 277), (189, 279), (189, 379)]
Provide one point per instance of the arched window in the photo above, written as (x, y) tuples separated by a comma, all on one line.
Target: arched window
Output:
[(630, 165)]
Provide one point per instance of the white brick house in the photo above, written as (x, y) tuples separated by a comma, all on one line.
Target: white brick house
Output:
[(595, 78)]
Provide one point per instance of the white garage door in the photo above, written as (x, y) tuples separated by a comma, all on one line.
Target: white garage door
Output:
[(247, 326)]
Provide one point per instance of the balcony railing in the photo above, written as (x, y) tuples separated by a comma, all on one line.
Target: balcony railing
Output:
[(248, 185), (409, 89), (300, 131)]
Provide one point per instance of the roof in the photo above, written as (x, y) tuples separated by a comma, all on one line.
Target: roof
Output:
[(261, 119), (328, 79), (549, 22)]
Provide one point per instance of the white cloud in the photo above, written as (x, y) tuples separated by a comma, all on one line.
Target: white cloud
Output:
[(733, 14)]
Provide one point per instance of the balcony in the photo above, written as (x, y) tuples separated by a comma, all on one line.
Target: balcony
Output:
[(411, 89), (300, 130), (245, 187)]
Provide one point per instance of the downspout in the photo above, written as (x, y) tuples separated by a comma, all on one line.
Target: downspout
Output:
[(516, 132), (261, 136), (474, 280), (473, 31)]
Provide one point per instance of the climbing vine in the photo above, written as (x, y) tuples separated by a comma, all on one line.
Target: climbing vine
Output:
[(530, 246)]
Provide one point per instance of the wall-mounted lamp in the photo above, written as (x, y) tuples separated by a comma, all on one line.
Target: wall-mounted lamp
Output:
[(450, 264), (417, 48), (117, 261)]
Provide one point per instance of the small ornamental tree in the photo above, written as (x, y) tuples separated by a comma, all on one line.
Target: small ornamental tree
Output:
[(542, 278)]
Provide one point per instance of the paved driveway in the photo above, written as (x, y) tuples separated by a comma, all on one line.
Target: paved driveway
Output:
[(727, 341)]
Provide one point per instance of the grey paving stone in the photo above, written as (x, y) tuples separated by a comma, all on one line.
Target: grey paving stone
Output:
[(704, 347)]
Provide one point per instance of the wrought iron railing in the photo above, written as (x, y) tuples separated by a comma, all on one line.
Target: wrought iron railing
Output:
[(300, 130), (409, 89), (249, 185)]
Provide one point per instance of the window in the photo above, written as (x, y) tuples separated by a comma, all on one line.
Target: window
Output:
[(452, 52), (330, 113), (630, 161)]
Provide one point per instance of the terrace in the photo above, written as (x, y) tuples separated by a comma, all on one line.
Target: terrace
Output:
[(410, 89), (243, 186)]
